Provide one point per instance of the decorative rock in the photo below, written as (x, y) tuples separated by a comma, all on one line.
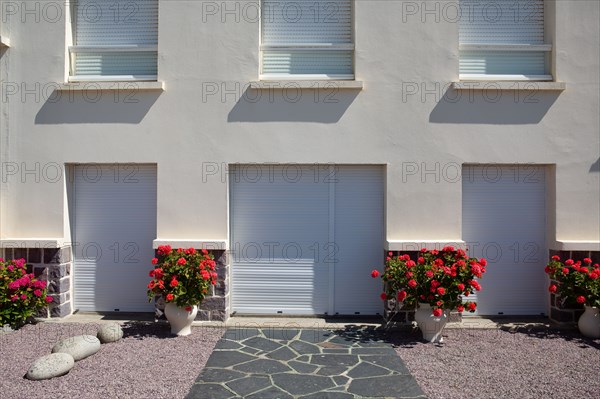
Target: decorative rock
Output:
[(110, 333), (50, 366), (79, 347)]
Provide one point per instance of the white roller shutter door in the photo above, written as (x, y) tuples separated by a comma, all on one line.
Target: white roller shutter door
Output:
[(114, 218), (504, 220), (304, 239)]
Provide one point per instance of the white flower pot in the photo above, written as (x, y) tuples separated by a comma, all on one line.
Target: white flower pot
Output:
[(589, 322), (180, 319), (430, 326)]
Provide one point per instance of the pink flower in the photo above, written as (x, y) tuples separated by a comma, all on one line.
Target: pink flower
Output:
[(10, 268), (174, 282), (429, 274), (23, 296), (181, 261), (408, 274), (441, 291), (14, 298), (580, 299), (421, 260), (170, 297), (37, 293), (565, 270), (48, 299), (154, 261), (552, 288), (461, 287), (375, 273), (412, 283), (437, 312), (472, 306), (569, 262), (483, 262), (460, 308), (587, 261), (410, 263), (14, 285)]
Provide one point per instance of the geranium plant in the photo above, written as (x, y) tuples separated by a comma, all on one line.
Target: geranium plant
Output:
[(182, 276), (576, 281), (443, 279), (21, 294)]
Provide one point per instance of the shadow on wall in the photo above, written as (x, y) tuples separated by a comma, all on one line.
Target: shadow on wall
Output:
[(493, 106), (96, 106), (595, 167), (292, 104)]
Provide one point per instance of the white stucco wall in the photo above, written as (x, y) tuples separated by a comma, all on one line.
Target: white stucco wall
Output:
[(188, 129)]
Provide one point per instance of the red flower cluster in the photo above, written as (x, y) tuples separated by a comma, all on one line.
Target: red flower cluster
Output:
[(440, 278), (577, 282), (182, 276)]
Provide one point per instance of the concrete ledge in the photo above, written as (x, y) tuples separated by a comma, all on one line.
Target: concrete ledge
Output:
[(575, 246), (190, 243), (509, 85), (416, 245), (32, 243), (108, 86), (306, 84), (4, 41)]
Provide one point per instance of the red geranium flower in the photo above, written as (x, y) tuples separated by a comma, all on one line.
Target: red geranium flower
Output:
[(402, 295), (170, 297), (375, 273), (472, 306), (552, 288), (383, 296), (580, 299), (437, 312), (412, 283)]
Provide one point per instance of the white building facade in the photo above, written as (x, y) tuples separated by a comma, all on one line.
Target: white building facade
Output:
[(301, 141)]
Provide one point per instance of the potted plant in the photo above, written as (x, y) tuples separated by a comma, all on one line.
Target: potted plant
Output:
[(21, 294), (578, 283), (182, 277), (433, 284)]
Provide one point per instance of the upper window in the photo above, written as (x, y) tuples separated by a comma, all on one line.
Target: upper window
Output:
[(307, 39), (114, 40), (503, 40)]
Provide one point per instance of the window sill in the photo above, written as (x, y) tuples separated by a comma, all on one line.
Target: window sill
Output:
[(32, 243), (416, 245), (509, 85), (563, 245), (107, 86), (306, 84)]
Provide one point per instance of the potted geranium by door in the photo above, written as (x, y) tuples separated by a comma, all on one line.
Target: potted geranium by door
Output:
[(183, 278), (433, 284), (578, 283)]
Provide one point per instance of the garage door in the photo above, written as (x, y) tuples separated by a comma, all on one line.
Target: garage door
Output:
[(305, 237), (114, 219), (504, 219)]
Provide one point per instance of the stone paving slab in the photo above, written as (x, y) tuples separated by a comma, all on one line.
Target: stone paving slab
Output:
[(304, 364)]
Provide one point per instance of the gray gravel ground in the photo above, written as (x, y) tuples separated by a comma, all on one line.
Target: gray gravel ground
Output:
[(149, 363), (526, 363), (146, 363)]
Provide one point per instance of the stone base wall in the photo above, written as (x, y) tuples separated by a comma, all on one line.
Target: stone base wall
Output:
[(215, 305), (52, 265), (569, 314)]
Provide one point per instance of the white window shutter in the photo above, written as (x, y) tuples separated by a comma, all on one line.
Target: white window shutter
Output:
[(307, 38), (503, 38), (115, 39)]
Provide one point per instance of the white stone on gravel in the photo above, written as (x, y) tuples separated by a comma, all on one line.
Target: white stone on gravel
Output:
[(50, 366), (79, 347), (110, 333)]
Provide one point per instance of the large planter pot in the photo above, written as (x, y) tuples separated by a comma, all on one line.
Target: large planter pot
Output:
[(589, 322), (430, 326), (180, 319)]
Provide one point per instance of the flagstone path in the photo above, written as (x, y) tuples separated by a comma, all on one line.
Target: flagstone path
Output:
[(304, 364)]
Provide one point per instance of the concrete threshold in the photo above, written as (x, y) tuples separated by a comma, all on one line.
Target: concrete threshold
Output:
[(331, 323)]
